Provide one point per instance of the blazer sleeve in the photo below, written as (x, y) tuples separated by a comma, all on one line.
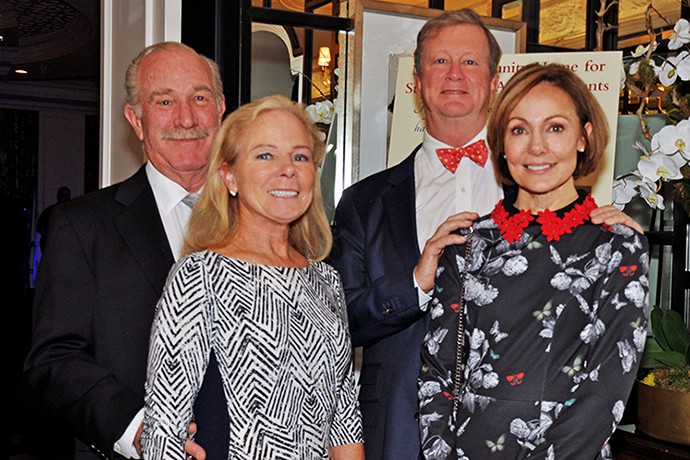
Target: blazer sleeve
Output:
[(380, 293), (61, 367)]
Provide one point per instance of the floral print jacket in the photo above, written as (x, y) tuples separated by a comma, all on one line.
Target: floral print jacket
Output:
[(553, 336)]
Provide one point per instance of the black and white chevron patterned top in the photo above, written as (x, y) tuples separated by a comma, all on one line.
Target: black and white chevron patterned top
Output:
[(282, 343)]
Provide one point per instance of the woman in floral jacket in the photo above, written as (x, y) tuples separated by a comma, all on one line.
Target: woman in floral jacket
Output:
[(554, 306)]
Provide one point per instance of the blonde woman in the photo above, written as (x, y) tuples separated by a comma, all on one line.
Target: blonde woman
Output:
[(252, 291)]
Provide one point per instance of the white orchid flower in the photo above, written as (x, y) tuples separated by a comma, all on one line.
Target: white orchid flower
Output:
[(683, 65), (680, 35), (321, 112), (648, 192), (641, 147), (661, 166), (673, 67), (671, 139), (641, 50), (624, 189)]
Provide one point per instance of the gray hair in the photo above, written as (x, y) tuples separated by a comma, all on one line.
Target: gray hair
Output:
[(131, 77)]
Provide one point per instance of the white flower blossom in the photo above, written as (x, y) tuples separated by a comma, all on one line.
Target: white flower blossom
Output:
[(641, 50), (648, 192), (624, 189), (683, 65), (321, 112), (671, 139), (680, 35), (674, 67), (661, 166)]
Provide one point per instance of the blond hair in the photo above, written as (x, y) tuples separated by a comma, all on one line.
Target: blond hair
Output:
[(214, 220)]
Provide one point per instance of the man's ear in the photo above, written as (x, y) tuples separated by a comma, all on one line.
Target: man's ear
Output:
[(134, 120), (494, 83)]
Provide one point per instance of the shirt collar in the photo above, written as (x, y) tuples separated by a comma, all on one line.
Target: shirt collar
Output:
[(167, 192)]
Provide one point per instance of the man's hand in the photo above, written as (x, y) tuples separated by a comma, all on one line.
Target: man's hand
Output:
[(137, 440), (425, 271), (192, 448), (610, 215)]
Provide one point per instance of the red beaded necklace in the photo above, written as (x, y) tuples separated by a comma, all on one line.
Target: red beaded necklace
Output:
[(552, 226)]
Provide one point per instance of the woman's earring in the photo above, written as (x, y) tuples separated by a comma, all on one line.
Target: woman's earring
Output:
[(580, 151), (233, 193)]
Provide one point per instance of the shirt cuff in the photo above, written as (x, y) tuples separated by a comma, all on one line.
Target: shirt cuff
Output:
[(423, 297), (125, 445)]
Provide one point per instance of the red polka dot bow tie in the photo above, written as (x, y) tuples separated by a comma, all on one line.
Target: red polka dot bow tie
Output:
[(450, 157)]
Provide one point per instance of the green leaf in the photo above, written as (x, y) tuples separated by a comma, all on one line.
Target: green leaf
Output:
[(656, 320), (652, 346), (675, 332), (671, 358), (650, 361)]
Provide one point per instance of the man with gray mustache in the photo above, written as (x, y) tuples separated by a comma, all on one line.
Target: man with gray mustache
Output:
[(110, 251)]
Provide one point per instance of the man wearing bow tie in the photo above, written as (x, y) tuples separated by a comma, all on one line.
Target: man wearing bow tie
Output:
[(390, 228)]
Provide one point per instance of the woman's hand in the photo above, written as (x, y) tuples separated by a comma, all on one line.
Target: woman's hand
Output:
[(425, 271), (610, 215)]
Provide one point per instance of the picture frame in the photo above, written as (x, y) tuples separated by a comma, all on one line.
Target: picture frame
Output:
[(383, 31)]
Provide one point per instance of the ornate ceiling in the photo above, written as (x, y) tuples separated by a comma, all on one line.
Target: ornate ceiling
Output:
[(49, 39)]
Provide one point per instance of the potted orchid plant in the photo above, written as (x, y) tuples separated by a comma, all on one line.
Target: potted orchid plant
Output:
[(663, 394), (661, 83)]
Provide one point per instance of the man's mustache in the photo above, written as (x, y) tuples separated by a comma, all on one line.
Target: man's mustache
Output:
[(184, 134)]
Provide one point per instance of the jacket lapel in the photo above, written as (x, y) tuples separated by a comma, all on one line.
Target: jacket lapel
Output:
[(399, 210), (144, 235)]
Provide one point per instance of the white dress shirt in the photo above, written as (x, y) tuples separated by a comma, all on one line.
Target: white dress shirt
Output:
[(175, 215), (439, 193)]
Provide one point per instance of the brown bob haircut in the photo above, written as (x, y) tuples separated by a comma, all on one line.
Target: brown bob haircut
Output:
[(587, 107)]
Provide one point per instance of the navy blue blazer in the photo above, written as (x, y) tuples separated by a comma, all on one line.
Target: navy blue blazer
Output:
[(375, 251), (98, 283)]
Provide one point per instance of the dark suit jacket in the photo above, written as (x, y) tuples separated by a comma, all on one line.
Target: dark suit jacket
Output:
[(98, 284), (375, 250)]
